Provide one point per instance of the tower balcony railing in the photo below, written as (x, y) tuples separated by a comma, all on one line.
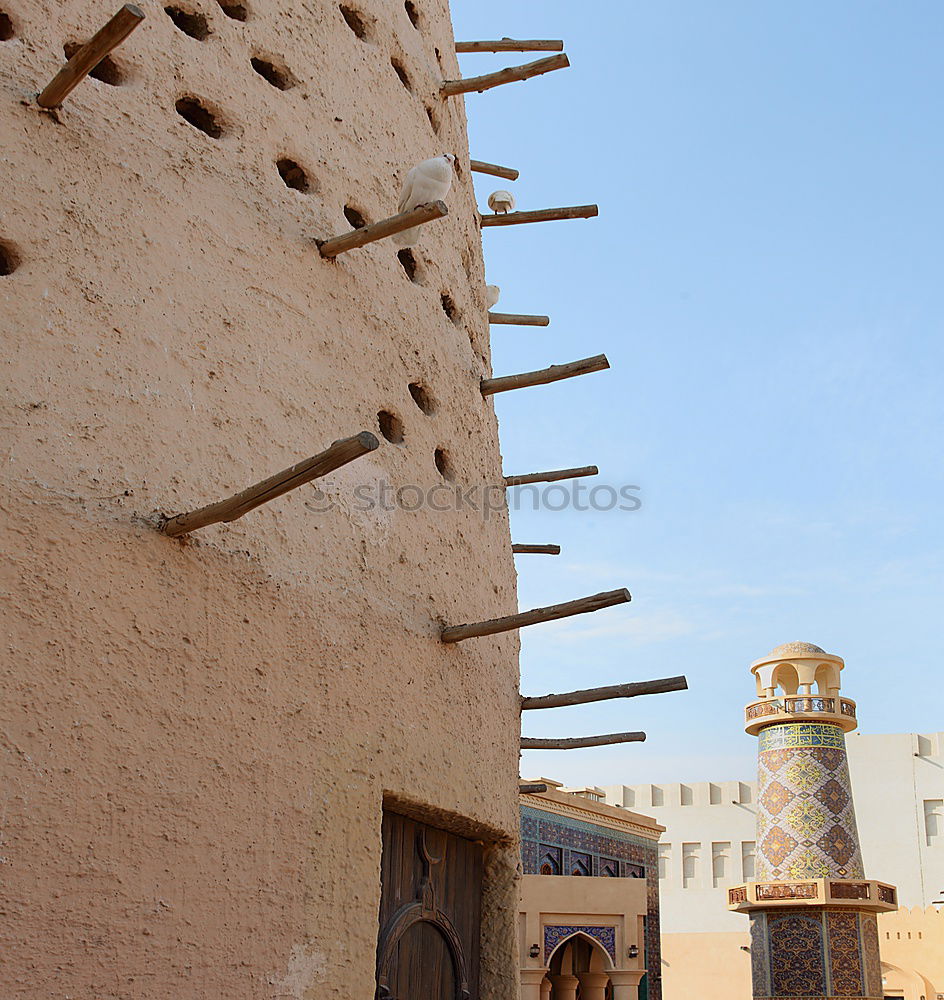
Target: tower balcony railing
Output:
[(862, 894), (808, 706)]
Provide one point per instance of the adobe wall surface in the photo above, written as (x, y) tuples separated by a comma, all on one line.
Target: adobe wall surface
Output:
[(197, 735)]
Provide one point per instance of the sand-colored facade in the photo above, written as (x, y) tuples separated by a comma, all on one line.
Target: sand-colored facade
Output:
[(912, 944), (199, 735)]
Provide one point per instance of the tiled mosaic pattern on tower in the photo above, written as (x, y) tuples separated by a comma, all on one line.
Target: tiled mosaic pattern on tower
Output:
[(815, 953), (806, 825), (637, 857)]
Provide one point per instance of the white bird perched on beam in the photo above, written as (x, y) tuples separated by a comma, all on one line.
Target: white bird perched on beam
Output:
[(492, 295), (427, 181), (501, 202)]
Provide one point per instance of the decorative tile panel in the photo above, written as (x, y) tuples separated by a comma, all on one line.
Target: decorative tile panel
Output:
[(788, 735), (871, 963), (845, 953), (554, 934), (797, 966), (760, 956)]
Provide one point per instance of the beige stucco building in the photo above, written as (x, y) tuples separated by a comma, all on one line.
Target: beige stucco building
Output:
[(709, 846), (589, 904), (210, 743)]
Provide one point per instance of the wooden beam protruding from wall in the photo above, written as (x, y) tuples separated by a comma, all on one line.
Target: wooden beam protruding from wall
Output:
[(513, 45), (481, 167), (588, 695), (555, 373), (378, 230), (518, 319), (532, 788), (450, 88), (528, 743), (543, 550), (582, 606), (551, 477), (90, 55), (340, 453), (540, 215)]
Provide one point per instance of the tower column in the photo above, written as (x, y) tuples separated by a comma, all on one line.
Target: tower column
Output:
[(812, 911), (593, 985), (532, 981), (626, 983), (563, 987)]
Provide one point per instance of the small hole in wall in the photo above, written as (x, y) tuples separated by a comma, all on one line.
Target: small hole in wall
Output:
[(354, 217), (355, 20), (391, 426), (107, 70), (281, 79), (422, 398), (192, 111), (449, 308), (402, 74), (237, 11), (441, 459), (409, 264), (293, 174), (194, 25), (433, 118), (439, 60), (6, 27), (9, 258), (412, 13)]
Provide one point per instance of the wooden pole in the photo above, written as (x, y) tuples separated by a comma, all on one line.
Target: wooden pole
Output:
[(90, 55), (481, 167), (596, 602), (555, 373), (541, 215), (513, 45), (518, 319), (533, 788), (587, 695), (581, 741), (545, 550), (551, 477), (340, 453), (450, 88), (378, 230)]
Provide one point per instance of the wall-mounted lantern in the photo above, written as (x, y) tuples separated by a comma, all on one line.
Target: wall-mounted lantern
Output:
[(534, 950), (633, 951)]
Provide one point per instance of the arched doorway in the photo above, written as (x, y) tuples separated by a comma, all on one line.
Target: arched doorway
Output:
[(579, 969), (904, 984), (430, 907)]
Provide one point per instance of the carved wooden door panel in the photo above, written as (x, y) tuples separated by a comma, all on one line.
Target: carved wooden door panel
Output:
[(430, 910)]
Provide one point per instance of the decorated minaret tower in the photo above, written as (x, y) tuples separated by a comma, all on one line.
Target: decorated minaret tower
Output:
[(812, 911)]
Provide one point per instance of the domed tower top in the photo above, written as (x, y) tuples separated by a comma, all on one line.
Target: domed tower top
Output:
[(798, 680)]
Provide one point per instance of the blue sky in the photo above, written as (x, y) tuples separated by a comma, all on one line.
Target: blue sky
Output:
[(765, 278)]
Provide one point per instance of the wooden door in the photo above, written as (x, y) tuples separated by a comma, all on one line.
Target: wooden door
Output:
[(430, 910)]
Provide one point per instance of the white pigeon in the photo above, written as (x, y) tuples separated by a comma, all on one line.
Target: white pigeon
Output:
[(501, 202), (492, 295), (427, 181)]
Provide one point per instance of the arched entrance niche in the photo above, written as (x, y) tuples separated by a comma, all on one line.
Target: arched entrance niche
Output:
[(579, 966), (904, 983)]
